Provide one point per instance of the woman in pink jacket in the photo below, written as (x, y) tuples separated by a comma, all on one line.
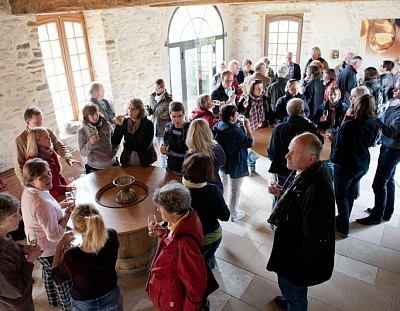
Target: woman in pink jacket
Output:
[(178, 276)]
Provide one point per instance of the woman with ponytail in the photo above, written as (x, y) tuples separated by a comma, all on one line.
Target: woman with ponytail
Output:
[(91, 264)]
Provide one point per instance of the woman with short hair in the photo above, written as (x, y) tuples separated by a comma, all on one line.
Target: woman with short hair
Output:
[(178, 276), (45, 222), (200, 140), (94, 140), (91, 264), (138, 133), (204, 110), (15, 269)]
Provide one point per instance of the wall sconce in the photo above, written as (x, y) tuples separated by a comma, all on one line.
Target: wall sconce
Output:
[(334, 54)]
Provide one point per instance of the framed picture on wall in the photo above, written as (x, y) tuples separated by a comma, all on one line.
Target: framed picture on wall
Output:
[(379, 40)]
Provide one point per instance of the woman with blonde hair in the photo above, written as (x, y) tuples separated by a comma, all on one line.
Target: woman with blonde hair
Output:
[(200, 140), (90, 265), (39, 146), (138, 134)]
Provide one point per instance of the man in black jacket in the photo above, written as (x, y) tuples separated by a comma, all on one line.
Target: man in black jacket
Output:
[(347, 79), (304, 244), (283, 134)]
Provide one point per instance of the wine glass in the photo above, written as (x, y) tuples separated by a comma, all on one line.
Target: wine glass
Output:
[(69, 196), (151, 223), (382, 33), (325, 113), (32, 239)]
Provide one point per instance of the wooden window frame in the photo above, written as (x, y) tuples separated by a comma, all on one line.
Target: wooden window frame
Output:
[(59, 21), (288, 17)]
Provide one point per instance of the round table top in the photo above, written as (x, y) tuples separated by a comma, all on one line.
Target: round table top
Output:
[(133, 217)]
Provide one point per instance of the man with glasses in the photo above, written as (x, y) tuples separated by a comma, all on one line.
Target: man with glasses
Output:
[(225, 92)]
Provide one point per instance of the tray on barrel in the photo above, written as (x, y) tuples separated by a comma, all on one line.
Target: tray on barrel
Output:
[(107, 194)]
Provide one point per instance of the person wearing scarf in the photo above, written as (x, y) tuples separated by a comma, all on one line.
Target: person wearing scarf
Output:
[(257, 109), (39, 146), (94, 140), (138, 133)]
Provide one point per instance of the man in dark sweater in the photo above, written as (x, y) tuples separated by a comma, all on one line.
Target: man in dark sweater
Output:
[(347, 79), (282, 135)]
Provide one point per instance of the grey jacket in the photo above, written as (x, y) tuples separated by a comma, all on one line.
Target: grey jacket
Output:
[(100, 154), (160, 112)]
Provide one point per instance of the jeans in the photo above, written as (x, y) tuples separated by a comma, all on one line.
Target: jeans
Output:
[(209, 253), (346, 191), (383, 185), (251, 160), (329, 165), (296, 296), (112, 301), (232, 186), (163, 157)]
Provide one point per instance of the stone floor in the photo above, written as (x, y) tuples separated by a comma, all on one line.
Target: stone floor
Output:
[(367, 263)]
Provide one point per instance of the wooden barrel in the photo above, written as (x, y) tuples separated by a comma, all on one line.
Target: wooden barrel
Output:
[(136, 251)]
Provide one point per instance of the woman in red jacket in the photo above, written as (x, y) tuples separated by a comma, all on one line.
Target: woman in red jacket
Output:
[(178, 276), (204, 110), (39, 146)]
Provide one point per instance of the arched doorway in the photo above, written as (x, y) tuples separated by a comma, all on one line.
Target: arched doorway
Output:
[(196, 48)]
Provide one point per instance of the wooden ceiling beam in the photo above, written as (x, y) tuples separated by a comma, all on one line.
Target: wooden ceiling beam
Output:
[(21, 7)]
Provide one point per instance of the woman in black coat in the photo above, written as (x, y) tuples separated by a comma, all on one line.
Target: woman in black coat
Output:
[(138, 133)]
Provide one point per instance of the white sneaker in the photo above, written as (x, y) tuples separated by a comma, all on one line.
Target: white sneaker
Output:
[(239, 215)]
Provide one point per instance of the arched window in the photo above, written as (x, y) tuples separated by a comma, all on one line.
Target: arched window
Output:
[(66, 58), (196, 48), (283, 34)]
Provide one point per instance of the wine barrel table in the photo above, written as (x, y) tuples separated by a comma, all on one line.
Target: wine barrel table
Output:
[(129, 220)]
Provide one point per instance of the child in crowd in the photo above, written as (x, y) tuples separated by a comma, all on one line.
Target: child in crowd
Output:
[(174, 143), (40, 146)]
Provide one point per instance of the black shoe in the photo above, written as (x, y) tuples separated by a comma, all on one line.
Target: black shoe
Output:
[(343, 235), (370, 210), (386, 218), (370, 220), (281, 302)]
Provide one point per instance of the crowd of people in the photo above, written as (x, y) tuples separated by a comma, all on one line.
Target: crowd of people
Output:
[(209, 150)]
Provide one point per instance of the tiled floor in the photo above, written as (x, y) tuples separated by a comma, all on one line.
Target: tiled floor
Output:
[(367, 265)]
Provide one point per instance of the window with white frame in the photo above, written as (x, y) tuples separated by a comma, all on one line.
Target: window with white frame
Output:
[(282, 35), (65, 53)]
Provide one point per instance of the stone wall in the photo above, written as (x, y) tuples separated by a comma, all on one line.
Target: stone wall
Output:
[(23, 80), (128, 52)]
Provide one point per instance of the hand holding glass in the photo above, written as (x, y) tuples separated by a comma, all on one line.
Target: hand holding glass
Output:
[(151, 224)]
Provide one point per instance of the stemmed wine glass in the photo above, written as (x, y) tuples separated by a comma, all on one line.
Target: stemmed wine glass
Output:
[(32, 239), (151, 223)]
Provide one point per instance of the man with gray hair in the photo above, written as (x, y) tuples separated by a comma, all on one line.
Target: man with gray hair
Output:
[(283, 133), (96, 91), (347, 79), (277, 89), (304, 244), (259, 74)]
